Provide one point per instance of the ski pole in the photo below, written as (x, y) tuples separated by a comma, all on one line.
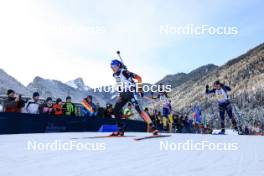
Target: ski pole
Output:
[(118, 53)]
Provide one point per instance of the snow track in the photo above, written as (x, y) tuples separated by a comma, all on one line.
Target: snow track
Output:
[(124, 156)]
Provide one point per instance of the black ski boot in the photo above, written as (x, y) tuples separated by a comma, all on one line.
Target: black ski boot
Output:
[(117, 133), (154, 130), (222, 131)]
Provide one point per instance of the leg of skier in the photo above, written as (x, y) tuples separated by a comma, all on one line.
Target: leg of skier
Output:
[(230, 115), (121, 102), (145, 116), (222, 117)]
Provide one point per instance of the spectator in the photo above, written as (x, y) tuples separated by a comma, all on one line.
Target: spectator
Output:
[(58, 110), (179, 124), (100, 110), (159, 121), (154, 117), (89, 108), (246, 130), (165, 123), (128, 113), (47, 107), (13, 103), (69, 107), (33, 106), (171, 122), (109, 111)]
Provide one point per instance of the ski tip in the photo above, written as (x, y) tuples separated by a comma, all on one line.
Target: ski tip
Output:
[(151, 137)]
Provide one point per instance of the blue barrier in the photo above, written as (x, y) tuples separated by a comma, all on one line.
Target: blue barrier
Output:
[(108, 128), (15, 123)]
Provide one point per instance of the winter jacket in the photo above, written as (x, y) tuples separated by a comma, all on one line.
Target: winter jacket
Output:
[(128, 113), (32, 107), (10, 105), (58, 110), (46, 109), (69, 109)]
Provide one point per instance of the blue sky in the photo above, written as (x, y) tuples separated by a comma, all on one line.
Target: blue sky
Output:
[(55, 39)]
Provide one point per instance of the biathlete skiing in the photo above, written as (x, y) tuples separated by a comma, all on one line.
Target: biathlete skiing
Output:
[(164, 99), (221, 92), (128, 89)]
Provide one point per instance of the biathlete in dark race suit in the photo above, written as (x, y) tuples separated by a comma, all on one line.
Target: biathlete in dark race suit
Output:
[(221, 92), (128, 89)]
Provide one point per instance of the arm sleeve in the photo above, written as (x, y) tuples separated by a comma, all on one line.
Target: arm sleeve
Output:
[(157, 97), (210, 91), (129, 74), (10, 103), (227, 88)]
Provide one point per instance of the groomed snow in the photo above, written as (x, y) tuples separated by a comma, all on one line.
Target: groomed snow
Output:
[(126, 157)]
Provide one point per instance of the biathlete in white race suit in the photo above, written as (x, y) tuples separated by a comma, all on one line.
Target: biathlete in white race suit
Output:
[(220, 91), (127, 89), (164, 99)]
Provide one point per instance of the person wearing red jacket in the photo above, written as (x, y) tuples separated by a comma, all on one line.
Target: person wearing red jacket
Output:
[(57, 107)]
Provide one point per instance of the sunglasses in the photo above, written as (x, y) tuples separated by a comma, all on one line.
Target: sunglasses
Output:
[(114, 66)]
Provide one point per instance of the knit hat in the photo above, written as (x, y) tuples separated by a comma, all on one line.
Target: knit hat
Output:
[(35, 94), (58, 100), (48, 99), (10, 91)]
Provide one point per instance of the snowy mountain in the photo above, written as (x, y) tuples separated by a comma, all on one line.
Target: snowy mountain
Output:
[(180, 78), (78, 84), (245, 75), (8, 82), (57, 89), (108, 96), (102, 92)]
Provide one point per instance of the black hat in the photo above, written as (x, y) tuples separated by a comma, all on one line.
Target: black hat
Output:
[(68, 98), (10, 91), (90, 96), (35, 94), (49, 99), (58, 100), (217, 82)]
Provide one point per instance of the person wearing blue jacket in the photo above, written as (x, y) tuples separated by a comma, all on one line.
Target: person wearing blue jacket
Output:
[(221, 93)]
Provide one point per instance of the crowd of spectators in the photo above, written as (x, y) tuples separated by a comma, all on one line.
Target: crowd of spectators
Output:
[(174, 122)]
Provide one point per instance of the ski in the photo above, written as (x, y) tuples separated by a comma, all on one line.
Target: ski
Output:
[(107, 136), (151, 137), (218, 134)]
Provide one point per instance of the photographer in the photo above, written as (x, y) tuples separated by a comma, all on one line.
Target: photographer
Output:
[(13, 103)]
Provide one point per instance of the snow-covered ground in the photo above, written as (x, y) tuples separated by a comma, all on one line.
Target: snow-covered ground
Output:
[(126, 157)]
